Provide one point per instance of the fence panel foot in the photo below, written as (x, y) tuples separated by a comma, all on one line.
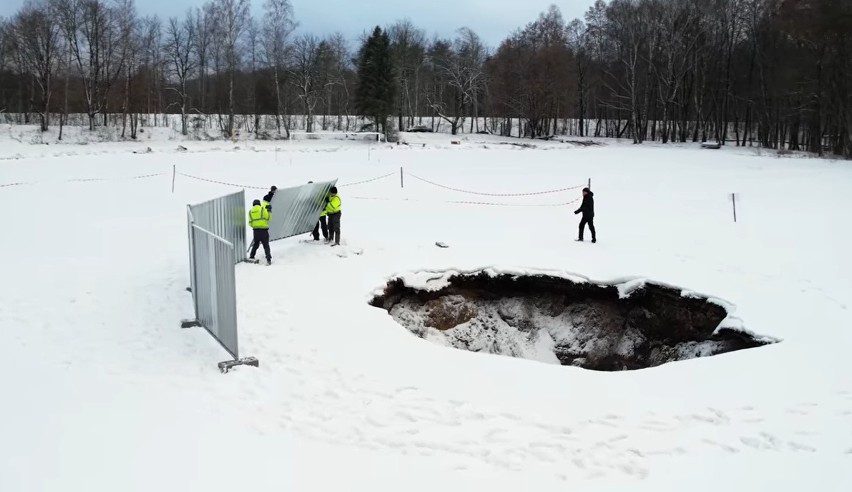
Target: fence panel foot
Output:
[(230, 364)]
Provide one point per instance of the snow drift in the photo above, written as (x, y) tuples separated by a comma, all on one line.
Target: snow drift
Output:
[(608, 327)]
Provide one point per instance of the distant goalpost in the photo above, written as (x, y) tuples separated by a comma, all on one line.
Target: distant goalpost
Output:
[(351, 136)]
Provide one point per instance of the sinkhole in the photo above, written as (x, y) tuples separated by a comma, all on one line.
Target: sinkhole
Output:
[(627, 326)]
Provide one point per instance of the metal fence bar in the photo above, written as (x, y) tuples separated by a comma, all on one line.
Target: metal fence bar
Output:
[(192, 287)]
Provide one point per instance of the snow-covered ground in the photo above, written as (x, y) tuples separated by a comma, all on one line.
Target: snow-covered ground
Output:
[(102, 391)]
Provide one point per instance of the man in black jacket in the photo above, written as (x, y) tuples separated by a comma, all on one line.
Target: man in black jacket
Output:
[(268, 197), (588, 210)]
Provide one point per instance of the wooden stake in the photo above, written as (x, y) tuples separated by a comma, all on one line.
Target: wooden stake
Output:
[(734, 203)]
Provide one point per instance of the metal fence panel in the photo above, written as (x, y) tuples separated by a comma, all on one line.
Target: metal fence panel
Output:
[(225, 217), (214, 286), (296, 210)]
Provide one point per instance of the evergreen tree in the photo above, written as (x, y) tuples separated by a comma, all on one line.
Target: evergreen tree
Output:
[(376, 89)]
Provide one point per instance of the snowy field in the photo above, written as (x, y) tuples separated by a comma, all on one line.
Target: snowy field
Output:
[(102, 391)]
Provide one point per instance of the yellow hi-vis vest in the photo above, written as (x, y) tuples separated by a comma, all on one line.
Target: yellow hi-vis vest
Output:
[(333, 206), (259, 217)]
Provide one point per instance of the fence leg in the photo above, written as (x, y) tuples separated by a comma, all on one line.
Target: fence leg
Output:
[(401, 179), (734, 203), (174, 172)]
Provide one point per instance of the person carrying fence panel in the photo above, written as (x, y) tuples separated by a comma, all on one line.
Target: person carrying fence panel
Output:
[(332, 210), (258, 217), (322, 223), (267, 199)]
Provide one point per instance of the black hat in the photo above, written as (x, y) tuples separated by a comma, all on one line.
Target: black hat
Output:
[(586, 190), (273, 188), (333, 190), (256, 202)]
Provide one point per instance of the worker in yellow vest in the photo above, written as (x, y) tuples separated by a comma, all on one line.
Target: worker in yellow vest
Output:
[(332, 210), (258, 217)]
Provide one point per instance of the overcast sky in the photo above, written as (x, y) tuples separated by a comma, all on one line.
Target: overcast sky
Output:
[(492, 19)]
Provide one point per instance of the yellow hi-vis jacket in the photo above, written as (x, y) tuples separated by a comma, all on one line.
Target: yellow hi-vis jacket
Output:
[(259, 217), (333, 206)]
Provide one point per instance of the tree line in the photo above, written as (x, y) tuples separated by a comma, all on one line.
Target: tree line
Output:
[(773, 73)]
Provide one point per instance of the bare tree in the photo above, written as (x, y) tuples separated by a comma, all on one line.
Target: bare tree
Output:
[(97, 43), (180, 39), (677, 26), (120, 45), (252, 49), (532, 74), (232, 18), (152, 54), (305, 75), (578, 41), (4, 51), (36, 37), (126, 58), (204, 21), (460, 66), (278, 25), (7, 59), (472, 54), (408, 45), (629, 36), (341, 76)]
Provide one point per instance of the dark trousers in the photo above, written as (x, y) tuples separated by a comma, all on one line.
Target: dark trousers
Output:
[(334, 227), (261, 236), (322, 223), (591, 222)]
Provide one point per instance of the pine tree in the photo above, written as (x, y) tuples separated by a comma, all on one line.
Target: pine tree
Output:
[(376, 89)]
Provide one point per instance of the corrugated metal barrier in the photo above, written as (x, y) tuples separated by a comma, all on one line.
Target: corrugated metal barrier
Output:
[(296, 210), (213, 280), (225, 217), (215, 294)]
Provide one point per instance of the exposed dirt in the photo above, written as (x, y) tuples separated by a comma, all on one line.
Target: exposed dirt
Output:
[(556, 320)]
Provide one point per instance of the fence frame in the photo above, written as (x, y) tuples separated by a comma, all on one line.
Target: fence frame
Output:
[(225, 217), (219, 311)]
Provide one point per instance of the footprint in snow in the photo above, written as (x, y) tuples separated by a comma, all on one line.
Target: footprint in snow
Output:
[(724, 447), (795, 446), (754, 443)]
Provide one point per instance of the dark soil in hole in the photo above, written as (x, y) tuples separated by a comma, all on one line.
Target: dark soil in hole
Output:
[(556, 320)]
